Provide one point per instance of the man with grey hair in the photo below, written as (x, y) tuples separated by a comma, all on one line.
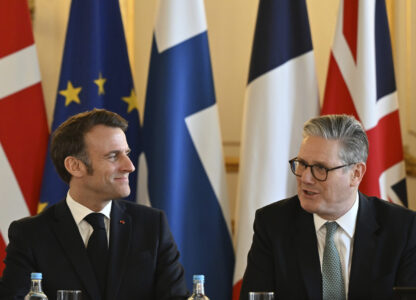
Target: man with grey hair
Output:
[(330, 241)]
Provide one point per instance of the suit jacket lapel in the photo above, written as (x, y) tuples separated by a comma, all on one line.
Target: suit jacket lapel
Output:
[(67, 233), (365, 243), (307, 252), (120, 232)]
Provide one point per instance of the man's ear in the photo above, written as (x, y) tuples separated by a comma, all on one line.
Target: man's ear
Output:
[(358, 171), (74, 166)]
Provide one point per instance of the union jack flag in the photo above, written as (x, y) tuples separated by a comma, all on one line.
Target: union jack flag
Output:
[(361, 82)]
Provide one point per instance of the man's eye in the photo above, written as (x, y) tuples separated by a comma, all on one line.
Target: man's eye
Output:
[(302, 164), (319, 168)]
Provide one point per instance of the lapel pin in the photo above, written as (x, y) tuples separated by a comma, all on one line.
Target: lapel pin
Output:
[(122, 222)]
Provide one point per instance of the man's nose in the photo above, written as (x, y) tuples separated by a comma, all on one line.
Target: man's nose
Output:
[(127, 164)]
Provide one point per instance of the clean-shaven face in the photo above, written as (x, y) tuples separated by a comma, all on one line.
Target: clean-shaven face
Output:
[(332, 198), (108, 153)]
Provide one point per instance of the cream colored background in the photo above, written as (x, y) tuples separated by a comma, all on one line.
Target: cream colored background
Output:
[(230, 29)]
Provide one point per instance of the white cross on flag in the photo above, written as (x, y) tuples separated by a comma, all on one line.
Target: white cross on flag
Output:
[(361, 82), (23, 125)]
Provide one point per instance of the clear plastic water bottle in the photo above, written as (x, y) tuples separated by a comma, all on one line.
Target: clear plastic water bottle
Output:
[(36, 292), (198, 289)]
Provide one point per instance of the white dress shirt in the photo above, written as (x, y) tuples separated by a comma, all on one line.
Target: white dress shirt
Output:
[(343, 238), (79, 212)]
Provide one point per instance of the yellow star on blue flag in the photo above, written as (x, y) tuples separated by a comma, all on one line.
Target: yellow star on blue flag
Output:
[(95, 73), (71, 94), (100, 83), (131, 101)]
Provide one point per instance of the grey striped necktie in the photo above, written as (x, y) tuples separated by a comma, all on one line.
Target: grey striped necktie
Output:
[(332, 279)]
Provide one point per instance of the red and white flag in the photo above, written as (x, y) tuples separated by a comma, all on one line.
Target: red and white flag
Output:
[(282, 93), (23, 124), (361, 82)]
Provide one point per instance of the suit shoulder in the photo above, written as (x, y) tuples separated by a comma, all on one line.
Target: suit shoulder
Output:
[(284, 204), (135, 208), (285, 208), (36, 219), (383, 206), (389, 214), (30, 224)]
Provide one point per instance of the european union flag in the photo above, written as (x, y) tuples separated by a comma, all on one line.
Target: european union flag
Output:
[(95, 73)]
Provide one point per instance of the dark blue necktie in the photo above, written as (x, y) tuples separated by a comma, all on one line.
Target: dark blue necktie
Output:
[(97, 249)]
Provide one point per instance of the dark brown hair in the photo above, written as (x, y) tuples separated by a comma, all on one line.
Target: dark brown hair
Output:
[(68, 138)]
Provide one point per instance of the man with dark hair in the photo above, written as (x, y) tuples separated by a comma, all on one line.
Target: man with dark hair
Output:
[(68, 139), (330, 241), (108, 248)]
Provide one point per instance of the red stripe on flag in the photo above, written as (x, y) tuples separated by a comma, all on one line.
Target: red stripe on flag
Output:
[(350, 25), (24, 137), (385, 139), (237, 290), (15, 26), (385, 151), (337, 98), (2, 254)]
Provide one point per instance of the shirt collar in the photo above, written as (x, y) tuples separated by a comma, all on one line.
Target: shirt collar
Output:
[(79, 211), (347, 221)]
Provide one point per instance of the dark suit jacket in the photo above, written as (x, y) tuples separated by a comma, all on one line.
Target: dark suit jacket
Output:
[(284, 255), (143, 256)]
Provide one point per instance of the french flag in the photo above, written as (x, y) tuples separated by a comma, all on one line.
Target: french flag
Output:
[(361, 82), (183, 156), (282, 93)]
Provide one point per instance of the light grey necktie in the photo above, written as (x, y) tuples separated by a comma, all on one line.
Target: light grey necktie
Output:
[(332, 279)]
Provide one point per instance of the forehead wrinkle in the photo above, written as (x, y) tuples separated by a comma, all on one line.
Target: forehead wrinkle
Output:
[(112, 152), (318, 150), (117, 151)]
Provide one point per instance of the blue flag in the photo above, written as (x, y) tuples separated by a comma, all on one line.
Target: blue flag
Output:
[(282, 94), (95, 73), (182, 145)]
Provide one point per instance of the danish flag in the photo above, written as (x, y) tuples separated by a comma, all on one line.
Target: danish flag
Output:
[(23, 125), (361, 82)]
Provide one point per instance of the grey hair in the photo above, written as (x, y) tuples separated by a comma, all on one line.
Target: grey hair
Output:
[(344, 128)]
